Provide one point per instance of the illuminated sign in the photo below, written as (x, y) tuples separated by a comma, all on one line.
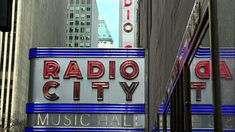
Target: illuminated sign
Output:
[(128, 23), (201, 76), (86, 88), (203, 72), (201, 85), (88, 120)]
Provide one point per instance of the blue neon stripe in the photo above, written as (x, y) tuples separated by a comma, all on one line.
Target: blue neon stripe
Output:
[(83, 52), (31, 129), (84, 108), (205, 109), (196, 130), (224, 52)]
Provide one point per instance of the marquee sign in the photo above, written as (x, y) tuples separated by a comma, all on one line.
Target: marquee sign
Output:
[(78, 89), (201, 90)]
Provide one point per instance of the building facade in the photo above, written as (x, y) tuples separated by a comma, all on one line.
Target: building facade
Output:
[(105, 39), (33, 25), (191, 64), (82, 23)]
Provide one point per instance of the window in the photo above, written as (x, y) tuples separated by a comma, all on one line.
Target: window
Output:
[(88, 23), (81, 44), (76, 44), (76, 30), (83, 1), (82, 30), (71, 1), (71, 15), (88, 16), (76, 22), (88, 1), (88, 9), (70, 23), (88, 30), (77, 1), (70, 30), (70, 37), (76, 37)]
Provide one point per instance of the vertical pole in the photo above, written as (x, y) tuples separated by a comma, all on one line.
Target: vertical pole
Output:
[(216, 90), (164, 121), (187, 95), (172, 112), (180, 106), (158, 123)]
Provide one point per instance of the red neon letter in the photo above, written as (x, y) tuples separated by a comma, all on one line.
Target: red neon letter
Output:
[(202, 69), (127, 3), (224, 70), (73, 71), (51, 68), (76, 91), (135, 69), (46, 87), (129, 90), (198, 86), (100, 89), (128, 27), (128, 14), (112, 69), (91, 74)]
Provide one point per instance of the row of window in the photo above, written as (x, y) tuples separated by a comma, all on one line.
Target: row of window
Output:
[(81, 38), (82, 9), (80, 1), (71, 16), (82, 23), (81, 45), (82, 30)]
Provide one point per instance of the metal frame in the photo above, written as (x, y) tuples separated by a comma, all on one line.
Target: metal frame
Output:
[(216, 89)]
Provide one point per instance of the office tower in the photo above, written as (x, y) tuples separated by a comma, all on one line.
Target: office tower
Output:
[(82, 23), (34, 23), (105, 39)]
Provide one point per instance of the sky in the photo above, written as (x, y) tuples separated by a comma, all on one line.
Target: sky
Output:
[(109, 10)]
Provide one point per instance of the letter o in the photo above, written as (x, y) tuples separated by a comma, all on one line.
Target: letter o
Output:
[(128, 27), (131, 75)]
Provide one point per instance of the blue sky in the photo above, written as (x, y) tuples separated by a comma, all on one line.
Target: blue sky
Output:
[(109, 10)]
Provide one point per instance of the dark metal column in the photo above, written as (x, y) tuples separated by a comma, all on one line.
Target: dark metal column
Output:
[(172, 112), (178, 106), (216, 90), (187, 103), (181, 104), (164, 121), (158, 123)]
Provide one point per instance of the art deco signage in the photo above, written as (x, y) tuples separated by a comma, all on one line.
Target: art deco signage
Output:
[(75, 89), (128, 23), (201, 88)]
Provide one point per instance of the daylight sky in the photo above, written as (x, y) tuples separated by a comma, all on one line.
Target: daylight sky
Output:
[(109, 10)]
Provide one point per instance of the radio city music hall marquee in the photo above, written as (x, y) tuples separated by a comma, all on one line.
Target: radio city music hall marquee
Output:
[(77, 89)]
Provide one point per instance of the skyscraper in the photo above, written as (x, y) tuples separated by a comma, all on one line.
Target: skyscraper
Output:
[(34, 23), (82, 23), (105, 39)]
